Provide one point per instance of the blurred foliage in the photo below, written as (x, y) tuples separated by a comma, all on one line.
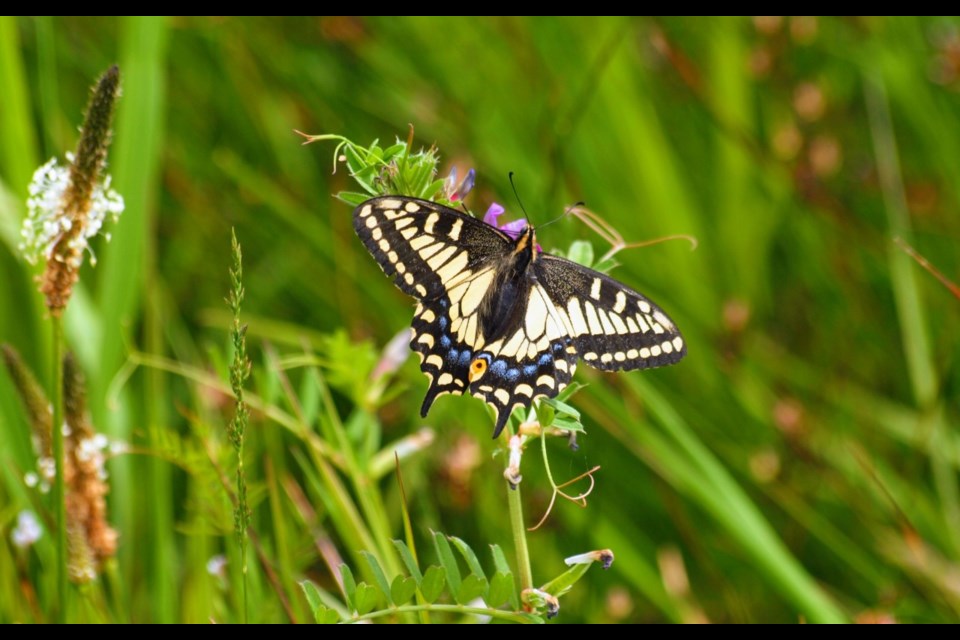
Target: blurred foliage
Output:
[(800, 464)]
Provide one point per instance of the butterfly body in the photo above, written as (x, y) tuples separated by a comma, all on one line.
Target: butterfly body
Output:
[(499, 319)]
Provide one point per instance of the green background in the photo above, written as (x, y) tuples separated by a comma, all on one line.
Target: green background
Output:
[(800, 464)]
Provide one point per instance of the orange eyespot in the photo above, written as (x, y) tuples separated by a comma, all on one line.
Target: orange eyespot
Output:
[(477, 368)]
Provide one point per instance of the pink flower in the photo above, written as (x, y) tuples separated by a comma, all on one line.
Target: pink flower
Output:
[(512, 229)]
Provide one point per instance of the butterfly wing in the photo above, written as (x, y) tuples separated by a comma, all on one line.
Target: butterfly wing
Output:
[(534, 359), (427, 248), (613, 327), (558, 310), (445, 259)]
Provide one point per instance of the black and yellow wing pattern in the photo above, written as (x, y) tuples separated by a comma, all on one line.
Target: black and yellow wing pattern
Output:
[(498, 318)]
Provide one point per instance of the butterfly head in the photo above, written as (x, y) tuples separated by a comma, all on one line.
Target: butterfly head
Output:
[(526, 243)]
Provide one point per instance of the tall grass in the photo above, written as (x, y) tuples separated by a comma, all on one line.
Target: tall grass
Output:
[(800, 464)]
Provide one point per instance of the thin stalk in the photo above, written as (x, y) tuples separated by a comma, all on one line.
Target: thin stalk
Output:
[(519, 531), (239, 372), (59, 484)]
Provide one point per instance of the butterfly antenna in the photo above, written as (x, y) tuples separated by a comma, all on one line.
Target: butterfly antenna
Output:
[(565, 213), (517, 195)]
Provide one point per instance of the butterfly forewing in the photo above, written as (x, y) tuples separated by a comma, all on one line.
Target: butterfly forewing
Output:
[(613, 327), (426, 247)]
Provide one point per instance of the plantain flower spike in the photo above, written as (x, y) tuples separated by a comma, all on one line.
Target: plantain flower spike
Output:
[(68, 205)]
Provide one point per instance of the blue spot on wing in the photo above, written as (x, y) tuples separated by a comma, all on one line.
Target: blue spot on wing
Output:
[(499, 368), (512, 374), (445, 341), (530, 370), (465, 357), (545, 359)]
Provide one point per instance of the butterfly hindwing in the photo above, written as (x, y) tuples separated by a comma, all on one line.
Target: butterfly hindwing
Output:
[(444, 362), (613, 327)]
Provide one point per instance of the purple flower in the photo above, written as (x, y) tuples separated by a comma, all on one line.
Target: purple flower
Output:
[(457, 192), (512, 229)]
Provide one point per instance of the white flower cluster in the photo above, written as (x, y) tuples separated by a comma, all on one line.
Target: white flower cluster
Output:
[(46, 221), (27, 531), (217, 566), (91, 450)]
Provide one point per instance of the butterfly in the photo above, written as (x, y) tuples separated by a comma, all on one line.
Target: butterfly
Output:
[(499, 319)]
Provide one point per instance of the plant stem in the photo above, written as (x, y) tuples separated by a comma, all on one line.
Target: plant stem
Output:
[(59, 484), (239, 372), (243, 544), (519, 537), (454, 608)]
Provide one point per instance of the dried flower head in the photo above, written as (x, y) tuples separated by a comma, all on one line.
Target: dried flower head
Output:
[(91, 538), (68, 205), (34, 400)]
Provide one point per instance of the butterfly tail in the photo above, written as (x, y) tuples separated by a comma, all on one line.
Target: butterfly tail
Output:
[(502, 417)]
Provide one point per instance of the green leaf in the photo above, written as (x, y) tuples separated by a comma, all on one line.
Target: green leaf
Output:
[(393, 150), (353, 198), (349, 585), (472, 587), (449, 562), (499, 559), (402, 589), (606, 266), (563, 408), (503, 569), (378, 574), (357, 167), (324, 615), (502, 590), (570, 389), (408, 560), (432, 584), (469, 556), (581, 252), (569, 424), (313, 596), (368, 597), (545, 414), (432, 189), (369, 175), (422, 175), (565, 581)]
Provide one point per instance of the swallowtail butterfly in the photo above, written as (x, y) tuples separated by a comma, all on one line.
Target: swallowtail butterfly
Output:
[(497, 318)]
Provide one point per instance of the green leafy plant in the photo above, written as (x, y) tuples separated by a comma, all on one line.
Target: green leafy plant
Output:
[(444, 589)]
